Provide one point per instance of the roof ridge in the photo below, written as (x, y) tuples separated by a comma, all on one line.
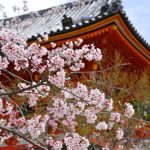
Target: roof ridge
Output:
[(134, 31)]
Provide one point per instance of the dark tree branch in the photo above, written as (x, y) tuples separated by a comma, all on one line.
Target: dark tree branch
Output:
[(23, 137), (22, 90)]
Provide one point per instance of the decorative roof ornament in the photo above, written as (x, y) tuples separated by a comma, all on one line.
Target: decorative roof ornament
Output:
[(111, 7), (116, 5), (66, 21)]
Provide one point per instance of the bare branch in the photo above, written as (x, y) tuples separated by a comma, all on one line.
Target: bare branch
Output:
[(23, 137), (14, 75), (87, 72), (22, 90)]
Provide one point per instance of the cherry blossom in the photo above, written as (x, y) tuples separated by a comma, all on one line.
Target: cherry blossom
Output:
[(105, 148), (90, 115), (129, 111), (6, 108), (58, 79), (53, 44), (67, 108), (115, 117), (3, 63), (34, 94), (102, 126), (57, 145), (76, 142), (119, 134)]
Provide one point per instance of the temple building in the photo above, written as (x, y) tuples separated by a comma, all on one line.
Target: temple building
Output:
[(101, 22)]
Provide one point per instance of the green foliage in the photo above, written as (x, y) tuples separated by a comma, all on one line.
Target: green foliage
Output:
[(141, 109)]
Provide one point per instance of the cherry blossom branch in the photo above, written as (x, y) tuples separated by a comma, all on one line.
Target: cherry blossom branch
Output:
[(105, 112), (105, 84), (16, 76), (86, 72), (22, 136), (65, 90), (8, 79), (22, 90), (133, 118)]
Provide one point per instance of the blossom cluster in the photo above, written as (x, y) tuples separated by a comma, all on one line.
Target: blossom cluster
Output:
[(76, 142), (34, 93), (73, 141), (84, 103), (129, 111), (80, 101), (6, 108), (56, 145), (119, 133), (70, 107), (7, 117), (101, 126), (35, 126), (15, 50)]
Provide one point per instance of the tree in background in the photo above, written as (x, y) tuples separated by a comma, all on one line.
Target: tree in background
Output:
[(123, 84)]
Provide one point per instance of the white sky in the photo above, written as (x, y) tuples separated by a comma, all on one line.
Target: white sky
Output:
[(33, 5), (138, 11)]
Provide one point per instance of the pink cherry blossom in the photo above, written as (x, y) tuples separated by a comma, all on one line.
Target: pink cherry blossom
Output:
[(119, 133), (115, 117), (56, 145), (75, 105), (76, 142), (129, 111), (102, 126), (3, 63), (58, 79)]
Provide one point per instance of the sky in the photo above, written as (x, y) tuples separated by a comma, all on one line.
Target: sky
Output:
[(33, 5), (138, 11)]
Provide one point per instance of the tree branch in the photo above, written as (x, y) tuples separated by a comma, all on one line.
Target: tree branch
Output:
[(23, 137), (22, 90), (119, 65)]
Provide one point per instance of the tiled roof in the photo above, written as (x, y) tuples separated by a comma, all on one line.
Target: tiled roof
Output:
[(83, 13), (50, 19), (134, 31)]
